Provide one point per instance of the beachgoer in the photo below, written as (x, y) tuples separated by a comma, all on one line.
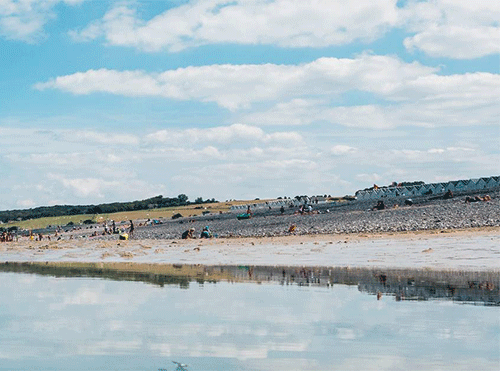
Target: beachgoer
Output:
[(448, 195), (282, 210), (206, 233), (131, 231), (409, 202), (188, 234), (379, 206)]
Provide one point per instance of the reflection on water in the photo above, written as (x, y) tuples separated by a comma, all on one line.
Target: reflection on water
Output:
[(143, 317), (403, 284)]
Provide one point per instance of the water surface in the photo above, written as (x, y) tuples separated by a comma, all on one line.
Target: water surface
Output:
[(293, 320)]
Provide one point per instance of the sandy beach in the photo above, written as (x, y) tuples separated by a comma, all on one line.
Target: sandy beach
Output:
[(433, 233), (476, 249)]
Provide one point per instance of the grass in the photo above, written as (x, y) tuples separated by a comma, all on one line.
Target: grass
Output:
[(45, 222), (167, 213)]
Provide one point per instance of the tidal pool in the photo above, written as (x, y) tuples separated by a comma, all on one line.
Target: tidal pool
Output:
[(244, 318)]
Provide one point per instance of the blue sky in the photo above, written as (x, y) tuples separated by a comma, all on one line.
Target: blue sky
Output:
[(104, 101)]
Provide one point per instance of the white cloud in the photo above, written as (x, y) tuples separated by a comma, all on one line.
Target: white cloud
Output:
[(342, 149), (27, 203), (221, 134), (456, 29), (84, 187), (238, 86), (368, 177), (427, 101), (286, 23), (100, 137), (456, 42), (93, 188), (440, 28), (24, 19)]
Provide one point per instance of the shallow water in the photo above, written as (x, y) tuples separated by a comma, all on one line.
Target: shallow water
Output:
[(83, 323)]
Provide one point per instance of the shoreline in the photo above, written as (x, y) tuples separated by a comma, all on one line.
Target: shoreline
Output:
[(471, 249)]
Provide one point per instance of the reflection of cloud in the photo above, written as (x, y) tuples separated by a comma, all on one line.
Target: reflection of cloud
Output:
[(346, 334), (374, 362), (108, 347), (241, 351), (258, 326)]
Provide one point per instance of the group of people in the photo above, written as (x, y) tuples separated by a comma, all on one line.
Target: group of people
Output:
[(6, 237), (110, 229), (189, 234)]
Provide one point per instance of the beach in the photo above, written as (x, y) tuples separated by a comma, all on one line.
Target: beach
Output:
[(473, 249), (432, 233)]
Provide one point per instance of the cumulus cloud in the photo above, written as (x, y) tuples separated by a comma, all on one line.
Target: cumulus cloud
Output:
[(238, 86), (411, 94), (374, 177), (26, 203), (221, 134), (342, 149), (428, 101), (441, 28), (286, 23), (24, 19), (99, 137), (95, 188), (456, 29)]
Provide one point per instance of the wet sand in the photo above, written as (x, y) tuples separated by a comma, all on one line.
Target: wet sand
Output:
[(473, 249)]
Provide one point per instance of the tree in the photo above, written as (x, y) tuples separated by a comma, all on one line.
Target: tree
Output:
[(199, 200), (182, 198)]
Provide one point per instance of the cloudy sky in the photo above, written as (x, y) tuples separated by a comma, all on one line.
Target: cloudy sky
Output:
[(104, 101)]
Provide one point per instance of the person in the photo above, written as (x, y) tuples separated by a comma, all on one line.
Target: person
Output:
[(448, 195), (379, 206), (131, 231), (282, 210), (205, 233), (409, 202), (114, 226), (188, 234)]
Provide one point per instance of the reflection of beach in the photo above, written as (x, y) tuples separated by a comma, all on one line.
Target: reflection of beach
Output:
[(85, 323), (471, 249), (404, 284)]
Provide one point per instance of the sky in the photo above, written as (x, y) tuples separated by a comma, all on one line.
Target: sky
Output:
[(105, 101)]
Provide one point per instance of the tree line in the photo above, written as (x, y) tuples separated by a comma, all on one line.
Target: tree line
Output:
[(64, 210)]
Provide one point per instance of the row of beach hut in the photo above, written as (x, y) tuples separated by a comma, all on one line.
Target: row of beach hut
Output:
[(469, 185)]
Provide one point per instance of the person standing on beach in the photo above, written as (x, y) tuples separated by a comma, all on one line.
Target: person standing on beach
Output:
[(131, 231)]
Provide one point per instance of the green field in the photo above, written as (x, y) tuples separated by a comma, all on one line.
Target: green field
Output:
[(188, 210)]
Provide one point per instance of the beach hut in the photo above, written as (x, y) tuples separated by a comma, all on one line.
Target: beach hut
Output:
[(450, 186), (459, 185), (425, 189), (472, 185), (482, 183), (495, 181)]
